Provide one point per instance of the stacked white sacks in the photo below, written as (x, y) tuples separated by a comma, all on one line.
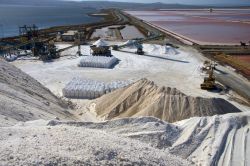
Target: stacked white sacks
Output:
[(98, 61), (116, 85), (80, 88)]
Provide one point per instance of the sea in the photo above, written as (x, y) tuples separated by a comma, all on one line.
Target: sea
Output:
[(14, 16)]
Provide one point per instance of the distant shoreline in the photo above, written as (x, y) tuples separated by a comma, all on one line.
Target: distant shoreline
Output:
[(106, 18), (14, 16)]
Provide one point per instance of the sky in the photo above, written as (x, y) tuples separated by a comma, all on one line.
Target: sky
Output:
[(195, 2)]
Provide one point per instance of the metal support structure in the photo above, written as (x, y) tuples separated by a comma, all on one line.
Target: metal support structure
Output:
[(79, 50), (1, 31), (78, 37), (138, 43)]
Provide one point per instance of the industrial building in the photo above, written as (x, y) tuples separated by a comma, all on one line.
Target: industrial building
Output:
[(69, 36)]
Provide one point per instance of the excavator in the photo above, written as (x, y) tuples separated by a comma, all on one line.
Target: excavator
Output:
[(139, 50), (209, 82)]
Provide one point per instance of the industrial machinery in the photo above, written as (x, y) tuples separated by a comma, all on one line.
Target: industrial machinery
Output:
[(28, 35), (206, 66), (209, 82), (78, 40), (139, 50), (138, 44), (100, 51), (28, 32), (78, 36), (45, 49), (100, 48)]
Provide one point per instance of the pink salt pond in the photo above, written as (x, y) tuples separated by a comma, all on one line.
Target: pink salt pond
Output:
[(201, 26)]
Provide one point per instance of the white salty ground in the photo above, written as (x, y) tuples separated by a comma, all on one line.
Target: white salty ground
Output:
[(103, 33), (43, 143), (180, 71), (131, 32), (217, 140)]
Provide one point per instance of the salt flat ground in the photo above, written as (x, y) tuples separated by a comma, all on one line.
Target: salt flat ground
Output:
[(216, 140), (179, 70), (129, 32)]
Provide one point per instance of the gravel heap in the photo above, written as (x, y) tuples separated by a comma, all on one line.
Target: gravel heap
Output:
[(144, 98)]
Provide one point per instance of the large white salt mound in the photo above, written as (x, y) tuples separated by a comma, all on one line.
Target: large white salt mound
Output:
[(100, 42), (22, 98), (218, 140), (74, 144), (152, 48)]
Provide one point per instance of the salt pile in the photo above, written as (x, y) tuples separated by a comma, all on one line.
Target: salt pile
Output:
[(169, 50), (98, 61), (144, 98), (76, 143), (22, 98), (156, 49), (152, 48), (100, 43), (217, 140), (130, 43), (90, 89)]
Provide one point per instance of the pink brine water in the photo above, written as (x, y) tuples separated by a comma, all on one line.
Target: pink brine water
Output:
[(219, 26)]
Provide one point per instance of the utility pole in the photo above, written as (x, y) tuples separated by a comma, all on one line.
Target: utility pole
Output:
[(1, 31), (78, 42)]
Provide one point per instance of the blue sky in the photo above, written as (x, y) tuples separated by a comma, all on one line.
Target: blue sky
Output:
[(197, 2)]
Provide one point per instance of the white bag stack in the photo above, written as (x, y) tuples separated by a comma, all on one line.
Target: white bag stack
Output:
[(79, 88), (98, 61)]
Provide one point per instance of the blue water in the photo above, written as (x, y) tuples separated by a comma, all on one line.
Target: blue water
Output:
[(11, 17)]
